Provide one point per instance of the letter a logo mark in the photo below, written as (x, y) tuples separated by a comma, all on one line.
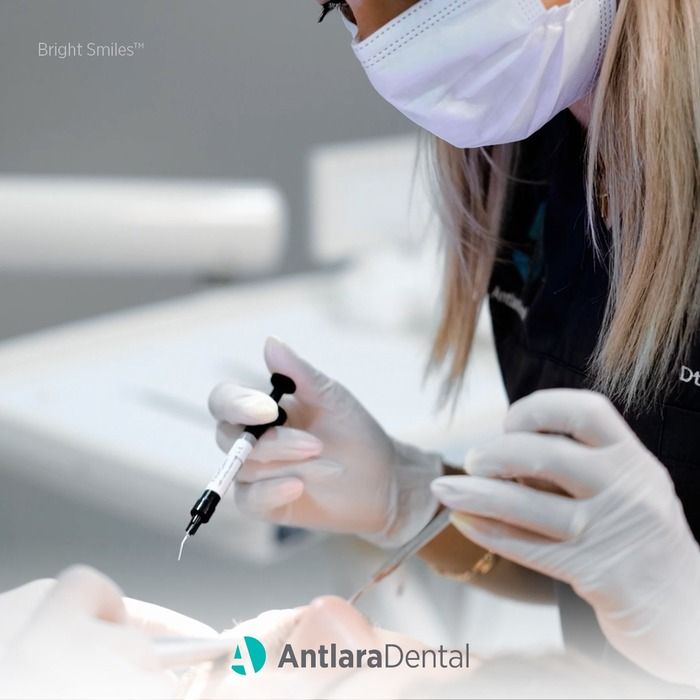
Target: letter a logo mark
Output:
[(249, 657)]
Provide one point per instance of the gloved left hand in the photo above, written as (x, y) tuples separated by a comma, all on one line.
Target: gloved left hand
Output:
[(621, 540), (332, 466)]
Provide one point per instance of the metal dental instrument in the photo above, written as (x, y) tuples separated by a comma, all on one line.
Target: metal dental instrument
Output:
[(206, 504), (180, 652), (429, 532)]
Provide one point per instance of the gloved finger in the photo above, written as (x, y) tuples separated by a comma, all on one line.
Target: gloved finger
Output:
[(230, 432), (546, 514), (286, 444), (233, 403), (313, 387), (277, 444), (84, 589), (553, 458), (156, 620), (587, 416), (515, 544), (310, 471), (261, 497)]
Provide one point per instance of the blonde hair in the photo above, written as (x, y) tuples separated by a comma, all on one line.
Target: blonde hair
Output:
[(643, 143)]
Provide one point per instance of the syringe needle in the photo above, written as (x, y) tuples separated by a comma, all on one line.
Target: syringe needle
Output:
[(182, 544)]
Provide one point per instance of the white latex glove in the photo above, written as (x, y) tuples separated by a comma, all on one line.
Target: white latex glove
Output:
[(77, 644), (331, 467), (621, 540)]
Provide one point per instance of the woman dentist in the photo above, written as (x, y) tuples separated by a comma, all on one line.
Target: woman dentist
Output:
[(567, 142)]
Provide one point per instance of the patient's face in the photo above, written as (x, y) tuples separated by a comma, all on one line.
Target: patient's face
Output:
[(331, 619), (324, 621)]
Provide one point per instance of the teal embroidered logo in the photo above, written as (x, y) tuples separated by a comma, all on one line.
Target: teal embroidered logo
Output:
[(250, 655), (529, 264)]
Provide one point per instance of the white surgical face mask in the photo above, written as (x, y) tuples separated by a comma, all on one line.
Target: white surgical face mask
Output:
[(484, 72)]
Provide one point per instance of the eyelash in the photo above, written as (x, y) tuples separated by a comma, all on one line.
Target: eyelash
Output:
[(342, 5)]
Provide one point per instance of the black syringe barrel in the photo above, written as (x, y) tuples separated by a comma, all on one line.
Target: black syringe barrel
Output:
[(206, 504), (202, 510)]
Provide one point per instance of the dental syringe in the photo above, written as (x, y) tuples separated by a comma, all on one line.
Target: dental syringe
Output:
[(206, 504)]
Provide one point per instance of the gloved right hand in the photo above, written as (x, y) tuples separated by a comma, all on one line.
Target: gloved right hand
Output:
[(619, 537), (331, 467)]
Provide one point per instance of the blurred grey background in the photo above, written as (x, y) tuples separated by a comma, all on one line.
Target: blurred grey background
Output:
[(222, 89)]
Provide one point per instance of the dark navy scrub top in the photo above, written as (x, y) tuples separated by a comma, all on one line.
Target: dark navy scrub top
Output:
[(547, 297)]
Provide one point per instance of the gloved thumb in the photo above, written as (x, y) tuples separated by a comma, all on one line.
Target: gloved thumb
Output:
[(313, 387)]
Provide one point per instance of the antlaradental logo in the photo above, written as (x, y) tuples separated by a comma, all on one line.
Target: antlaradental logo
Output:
[(250, 656), (388, 656)]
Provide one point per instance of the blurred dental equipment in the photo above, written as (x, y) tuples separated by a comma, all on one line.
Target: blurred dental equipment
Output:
[(205, 506), (428, 533), (105, 412), (216, 228), (150, 369)]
